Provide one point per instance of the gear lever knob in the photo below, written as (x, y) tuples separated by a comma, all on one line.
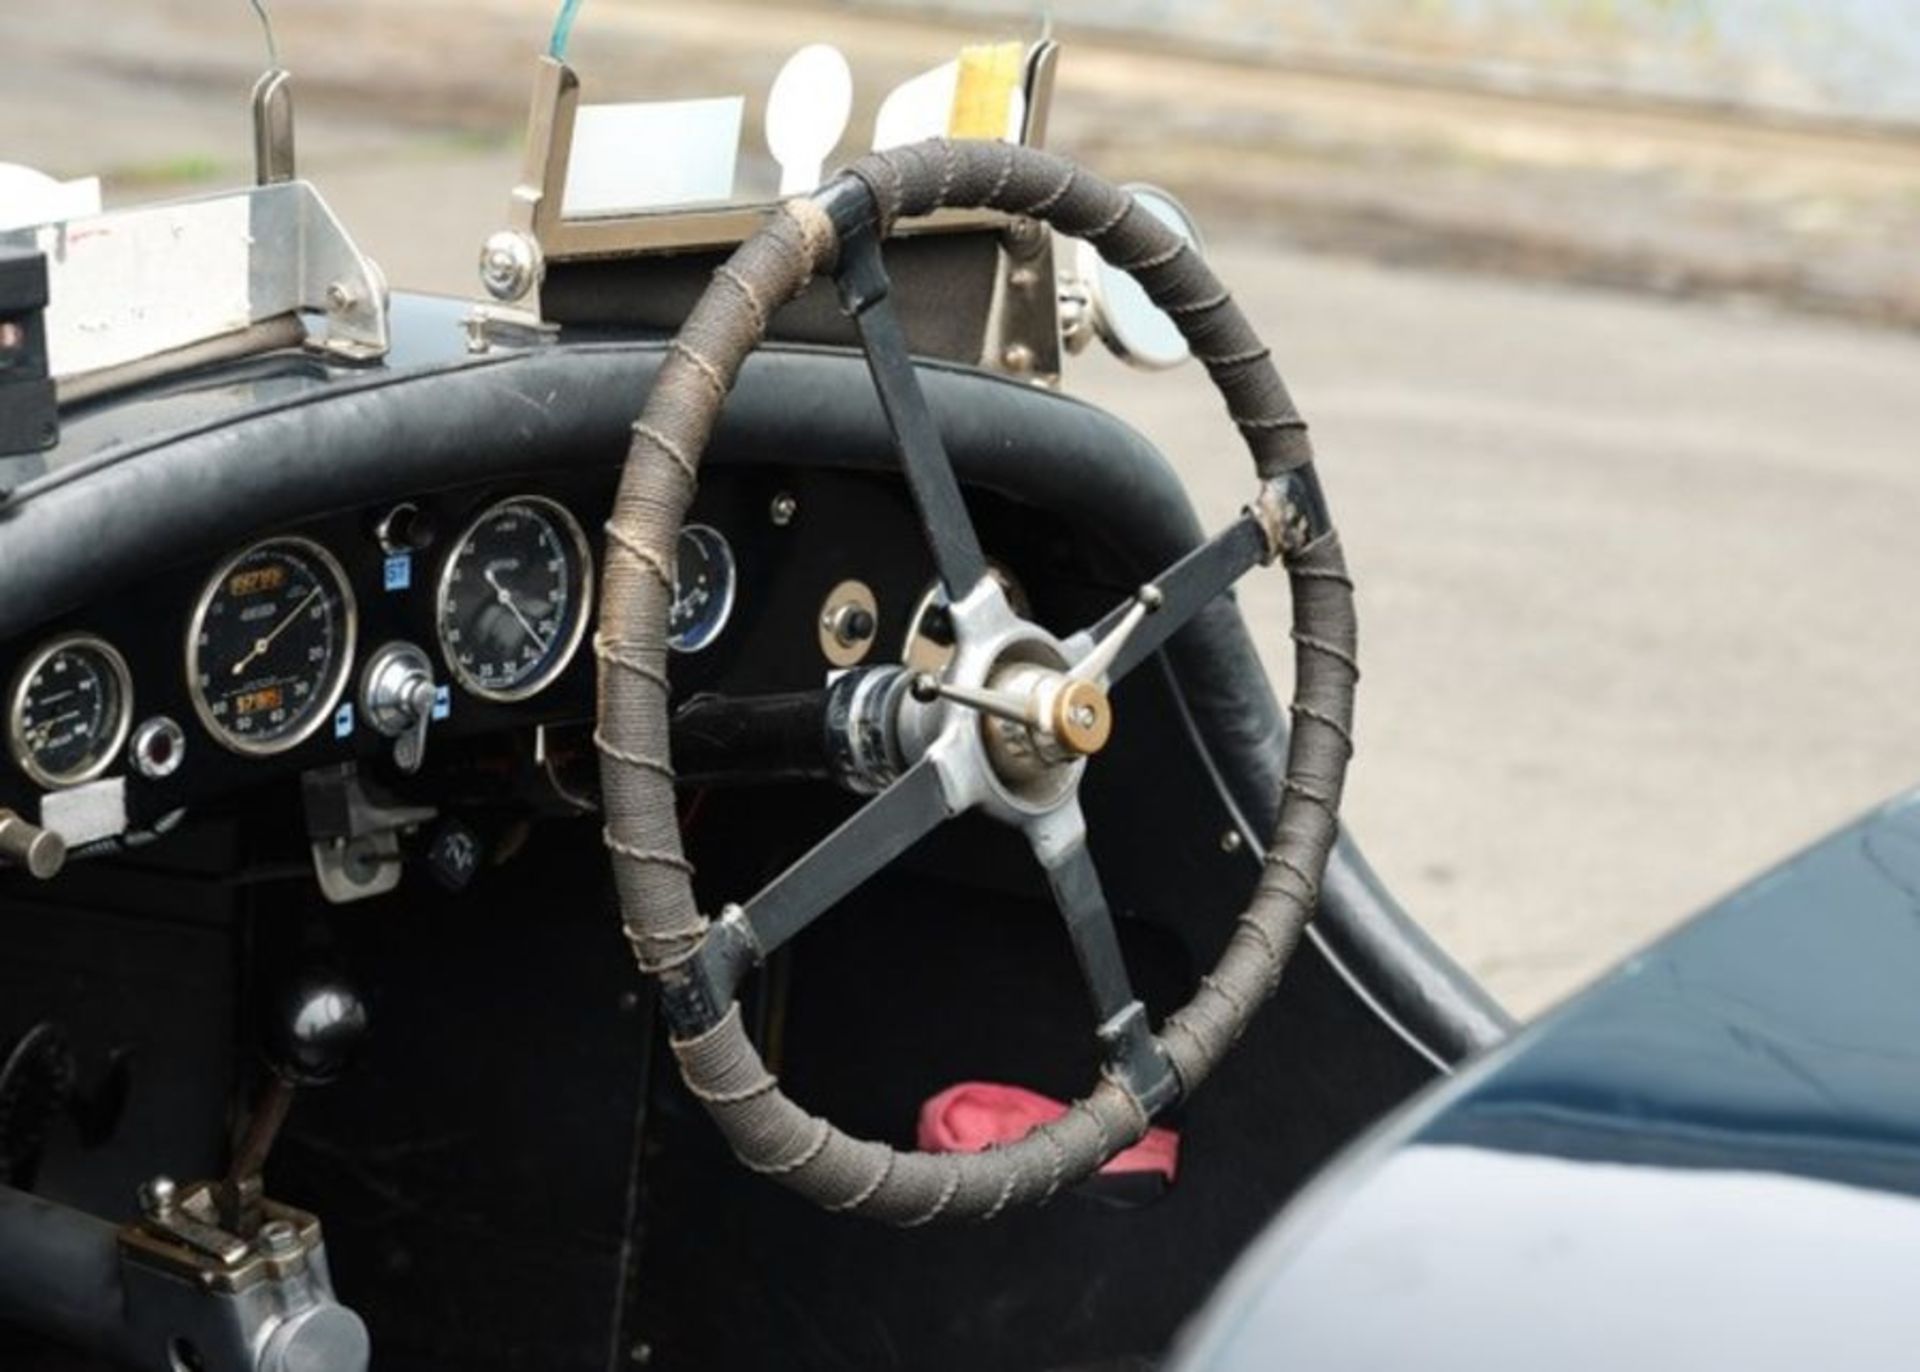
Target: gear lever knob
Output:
[(315, 1030), (311, 1035)]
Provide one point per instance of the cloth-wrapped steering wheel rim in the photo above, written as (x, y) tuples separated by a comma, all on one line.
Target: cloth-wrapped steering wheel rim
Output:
[(669, 935)]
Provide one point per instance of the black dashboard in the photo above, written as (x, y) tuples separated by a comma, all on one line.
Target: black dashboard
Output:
[(207, 705), (241, 553), (117, 530)]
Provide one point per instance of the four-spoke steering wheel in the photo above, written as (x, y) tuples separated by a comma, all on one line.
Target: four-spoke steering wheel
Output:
[(1010, 725)]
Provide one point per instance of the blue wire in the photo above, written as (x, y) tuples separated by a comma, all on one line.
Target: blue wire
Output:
[(562, 30)]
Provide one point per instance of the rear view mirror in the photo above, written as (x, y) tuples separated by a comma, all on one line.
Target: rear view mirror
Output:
[(1100, 300)]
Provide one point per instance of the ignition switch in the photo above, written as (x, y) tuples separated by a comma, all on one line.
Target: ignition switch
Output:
[(849, 620), (397, 697)]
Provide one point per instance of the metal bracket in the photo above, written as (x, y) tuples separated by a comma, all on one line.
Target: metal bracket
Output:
[(1023, 327), (499, 326), (1023, 331), (172, 1291), (212, 1299), (1023, 324), (133, 285), (273, 127), (355, 833)]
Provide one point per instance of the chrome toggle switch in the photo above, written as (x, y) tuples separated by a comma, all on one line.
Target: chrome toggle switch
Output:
[(397, 697)]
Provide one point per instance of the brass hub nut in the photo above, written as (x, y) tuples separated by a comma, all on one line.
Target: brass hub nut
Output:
[(1082, 718)]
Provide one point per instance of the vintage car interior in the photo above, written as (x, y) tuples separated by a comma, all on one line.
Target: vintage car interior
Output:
[(430, 731)]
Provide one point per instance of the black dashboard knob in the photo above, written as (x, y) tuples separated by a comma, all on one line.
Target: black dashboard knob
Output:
[(316, 1030)]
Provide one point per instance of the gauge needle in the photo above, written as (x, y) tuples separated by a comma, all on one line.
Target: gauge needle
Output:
[(260, 645), (43, 733), (505, 597)]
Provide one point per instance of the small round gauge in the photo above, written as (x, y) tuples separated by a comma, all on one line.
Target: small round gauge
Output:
[(704, 580), (271, 645), (513, 598), (69, 710)]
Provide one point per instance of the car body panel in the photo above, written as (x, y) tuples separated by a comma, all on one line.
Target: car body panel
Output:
[(1710, 1158)]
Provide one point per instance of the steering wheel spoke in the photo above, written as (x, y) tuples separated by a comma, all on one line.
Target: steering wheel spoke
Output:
[(866, 294), (1059, 841), (877, 833), (1185, 588)]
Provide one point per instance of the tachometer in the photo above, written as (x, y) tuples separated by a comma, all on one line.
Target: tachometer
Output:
[(69, 710), (271, 645), (704, 578), (513, 598)]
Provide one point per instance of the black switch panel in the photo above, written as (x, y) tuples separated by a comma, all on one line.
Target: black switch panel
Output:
[(29, 419)]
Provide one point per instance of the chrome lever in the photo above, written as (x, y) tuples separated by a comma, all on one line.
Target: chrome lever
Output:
[(928, 688), (1106, 652), (398, 697)]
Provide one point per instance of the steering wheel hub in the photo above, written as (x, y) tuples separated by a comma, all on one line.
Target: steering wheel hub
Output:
[(1063, 721)]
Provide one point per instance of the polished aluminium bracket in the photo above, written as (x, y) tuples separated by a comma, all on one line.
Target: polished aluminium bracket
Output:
[(137, 292), (273, 127)]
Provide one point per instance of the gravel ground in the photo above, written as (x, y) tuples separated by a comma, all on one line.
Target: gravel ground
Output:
[(1637, 564)]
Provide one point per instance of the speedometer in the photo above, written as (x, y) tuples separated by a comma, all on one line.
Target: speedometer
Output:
[(68, 713), (513, 598), (271, 645)]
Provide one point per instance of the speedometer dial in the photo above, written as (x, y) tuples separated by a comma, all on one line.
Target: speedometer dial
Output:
[(68, 713), (513, 598), (271, 645)]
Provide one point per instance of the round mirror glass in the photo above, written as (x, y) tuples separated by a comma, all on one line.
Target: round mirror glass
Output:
[(1136, 329)]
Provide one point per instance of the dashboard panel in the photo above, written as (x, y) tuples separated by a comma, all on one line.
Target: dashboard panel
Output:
[(252, 662)]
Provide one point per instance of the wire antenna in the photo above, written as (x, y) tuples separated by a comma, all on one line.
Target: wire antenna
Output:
[(266, 27), (562, 30)]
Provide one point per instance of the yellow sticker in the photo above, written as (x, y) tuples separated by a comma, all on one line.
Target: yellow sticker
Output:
[(983, 92)]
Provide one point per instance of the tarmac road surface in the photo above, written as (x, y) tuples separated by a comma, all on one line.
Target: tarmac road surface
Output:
[(1639, 586)]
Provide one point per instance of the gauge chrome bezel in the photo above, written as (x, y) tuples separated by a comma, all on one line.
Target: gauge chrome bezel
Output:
[(725, 616), (17, 699), (581, 614), (336, 685)]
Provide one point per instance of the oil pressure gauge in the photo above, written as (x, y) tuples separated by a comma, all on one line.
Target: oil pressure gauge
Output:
[(69, 710)]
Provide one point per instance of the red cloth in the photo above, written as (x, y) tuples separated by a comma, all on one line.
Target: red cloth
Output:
[(978, 1114)]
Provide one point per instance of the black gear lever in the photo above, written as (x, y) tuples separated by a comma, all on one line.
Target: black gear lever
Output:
[(312, 1034)]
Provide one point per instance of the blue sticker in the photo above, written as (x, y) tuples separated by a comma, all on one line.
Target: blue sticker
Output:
[(399, 571), (343, 720), (442, 701)]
